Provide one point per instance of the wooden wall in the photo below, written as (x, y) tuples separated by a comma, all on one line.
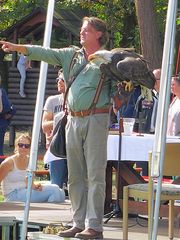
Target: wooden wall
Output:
[(25, 106)]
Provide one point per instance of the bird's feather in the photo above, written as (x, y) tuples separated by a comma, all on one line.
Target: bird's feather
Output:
[(125, 65)]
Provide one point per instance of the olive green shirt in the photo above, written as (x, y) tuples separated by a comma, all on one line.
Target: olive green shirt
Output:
[(82, 90)]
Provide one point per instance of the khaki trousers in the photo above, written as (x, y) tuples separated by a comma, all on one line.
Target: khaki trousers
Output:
[(87, 159)]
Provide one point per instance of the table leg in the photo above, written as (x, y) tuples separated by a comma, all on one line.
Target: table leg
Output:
[(108, 199), (127, 175)]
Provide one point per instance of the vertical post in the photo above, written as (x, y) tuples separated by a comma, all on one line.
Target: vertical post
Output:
[(37, 116), (163, 106)]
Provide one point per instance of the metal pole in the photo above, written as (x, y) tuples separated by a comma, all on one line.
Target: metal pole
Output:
[(37, 117), (163, 107)]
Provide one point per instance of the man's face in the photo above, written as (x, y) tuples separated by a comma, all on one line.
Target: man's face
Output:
[(88, 35), (175, 86), (61, 86)]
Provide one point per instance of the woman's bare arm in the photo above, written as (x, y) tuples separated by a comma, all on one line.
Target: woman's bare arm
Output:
[(5, 167)]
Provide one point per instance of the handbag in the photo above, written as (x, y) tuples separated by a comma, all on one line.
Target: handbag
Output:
[(58, 142)]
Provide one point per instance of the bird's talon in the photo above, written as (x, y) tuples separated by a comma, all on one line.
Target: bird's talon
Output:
[(128, 86)]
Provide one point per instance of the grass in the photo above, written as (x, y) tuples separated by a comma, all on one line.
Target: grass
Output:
[(1, 198)]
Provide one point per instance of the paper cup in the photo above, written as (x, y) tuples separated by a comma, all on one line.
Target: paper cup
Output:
[(128, 124)]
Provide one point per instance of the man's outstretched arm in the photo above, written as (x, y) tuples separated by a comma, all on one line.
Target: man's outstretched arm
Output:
[(11, 47)]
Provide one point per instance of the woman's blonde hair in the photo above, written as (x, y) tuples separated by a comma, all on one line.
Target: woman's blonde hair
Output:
[(17, 140)]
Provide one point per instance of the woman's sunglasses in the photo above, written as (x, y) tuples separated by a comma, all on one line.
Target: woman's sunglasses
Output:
[(23, 145)]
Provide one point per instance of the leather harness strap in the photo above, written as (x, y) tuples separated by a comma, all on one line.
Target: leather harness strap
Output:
[(88, 112), (92, 109)]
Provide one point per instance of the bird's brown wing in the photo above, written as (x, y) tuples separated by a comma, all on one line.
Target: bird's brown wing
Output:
[(136, 70), (127, 67), (131, 66)]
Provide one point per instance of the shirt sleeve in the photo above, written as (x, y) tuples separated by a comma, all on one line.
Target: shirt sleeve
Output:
[(48, 105), (60, 57), (177, 124)]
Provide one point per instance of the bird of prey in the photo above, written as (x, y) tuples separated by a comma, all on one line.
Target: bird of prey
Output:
[(126, 67)]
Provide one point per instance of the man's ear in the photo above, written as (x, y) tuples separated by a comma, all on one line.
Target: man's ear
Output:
[(98, 34)]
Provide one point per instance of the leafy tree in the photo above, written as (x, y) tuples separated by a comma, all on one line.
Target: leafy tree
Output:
[(12, 11), (120, 15), (125, 23)]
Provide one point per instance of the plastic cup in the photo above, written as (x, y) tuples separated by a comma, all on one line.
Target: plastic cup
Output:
[(128, 124)]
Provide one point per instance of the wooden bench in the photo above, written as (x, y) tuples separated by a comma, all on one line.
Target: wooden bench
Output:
[(42, 174), (25, 106)]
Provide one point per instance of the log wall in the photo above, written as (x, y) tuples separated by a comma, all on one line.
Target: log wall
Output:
[(25, 107)]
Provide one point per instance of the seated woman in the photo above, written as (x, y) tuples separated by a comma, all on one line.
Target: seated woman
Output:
[(13, 177)]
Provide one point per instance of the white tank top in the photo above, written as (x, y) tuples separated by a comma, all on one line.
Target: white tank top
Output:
[(16, 179)]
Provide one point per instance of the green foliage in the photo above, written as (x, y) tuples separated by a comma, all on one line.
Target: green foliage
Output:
[(178, 16), (1, 198), (120, 15), (115, 13), (12, 11), (117, 38), (161, 11)]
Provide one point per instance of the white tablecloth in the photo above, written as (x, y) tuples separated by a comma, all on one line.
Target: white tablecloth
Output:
[(134, 147)]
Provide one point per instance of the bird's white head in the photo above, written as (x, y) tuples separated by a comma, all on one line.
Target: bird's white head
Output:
[(103, 55)]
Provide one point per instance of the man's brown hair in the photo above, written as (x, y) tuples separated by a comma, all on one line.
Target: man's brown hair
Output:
[(99, 25)]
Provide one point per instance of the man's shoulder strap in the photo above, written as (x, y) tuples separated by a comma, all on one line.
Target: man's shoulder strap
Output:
[(75, 54), (71, 80)]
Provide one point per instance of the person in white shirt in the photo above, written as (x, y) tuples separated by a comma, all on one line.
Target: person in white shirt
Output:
[(52, 109), (173, 125)]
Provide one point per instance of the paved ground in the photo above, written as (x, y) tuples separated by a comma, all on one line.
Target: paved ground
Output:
[(45, 214), (113, 231)]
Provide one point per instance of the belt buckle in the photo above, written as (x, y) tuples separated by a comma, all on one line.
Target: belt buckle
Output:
[(81, 113)]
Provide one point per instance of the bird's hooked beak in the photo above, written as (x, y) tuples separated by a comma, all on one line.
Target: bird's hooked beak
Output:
[(102, 55)]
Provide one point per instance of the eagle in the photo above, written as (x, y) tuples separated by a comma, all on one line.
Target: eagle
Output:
[(126, 67)]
